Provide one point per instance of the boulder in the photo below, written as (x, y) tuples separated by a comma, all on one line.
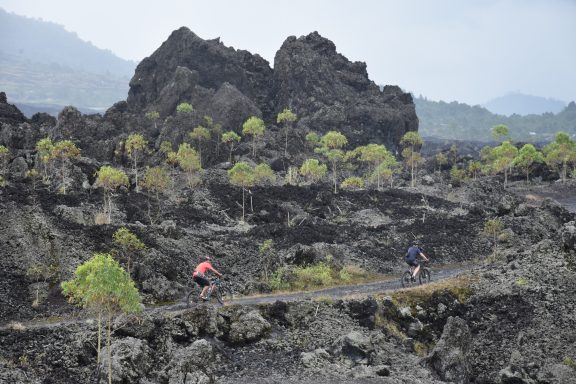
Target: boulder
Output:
[(248, 327), (192, 365), (449, 358), (131, 359)]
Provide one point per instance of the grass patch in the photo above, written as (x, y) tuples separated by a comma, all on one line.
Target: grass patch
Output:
[(321, 275), (459, 287), (390, 327), (521, 282), (16, 326), (570, 362)]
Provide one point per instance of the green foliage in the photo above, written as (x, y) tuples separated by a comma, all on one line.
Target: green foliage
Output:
[(135, 146), (412, 142), (166, 147), (263, 174), (353, 182), (330, 146), (200, 134), (382, 162), (474, 167), (521, 282), (570, 362), (62, 152), (184, 108), (313, 170), (526, 158), (101, 284), (128, 245), (492, 229), (286, 117), (153, 116), (4, 158), (110, 179), (502, 158), (560, 154), (441, 159), (457, 174), (319, 275), (158, 181), (312, 139), (242, 175), (229, 138), (254, 127), (500, 132), (189, 161)]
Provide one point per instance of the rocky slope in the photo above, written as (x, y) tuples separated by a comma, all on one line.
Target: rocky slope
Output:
[(508, 321)]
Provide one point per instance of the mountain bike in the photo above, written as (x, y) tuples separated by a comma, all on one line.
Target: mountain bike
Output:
[(217, 290), (424, 276)]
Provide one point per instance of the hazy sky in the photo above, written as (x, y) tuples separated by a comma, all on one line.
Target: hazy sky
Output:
[(465, 50)]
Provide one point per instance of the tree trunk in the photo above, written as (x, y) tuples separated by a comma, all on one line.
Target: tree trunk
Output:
[(109, 348), (242, 203), (136, 172), (334, 175), (99, 336)]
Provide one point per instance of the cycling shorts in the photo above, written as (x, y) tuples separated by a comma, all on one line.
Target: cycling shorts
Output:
[(412, 263), (202, 281)]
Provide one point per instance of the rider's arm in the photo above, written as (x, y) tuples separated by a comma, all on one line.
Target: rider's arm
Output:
[(215, 271), (424, 256)]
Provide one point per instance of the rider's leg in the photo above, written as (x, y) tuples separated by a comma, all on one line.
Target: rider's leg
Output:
[(204, 290), (416, 271)]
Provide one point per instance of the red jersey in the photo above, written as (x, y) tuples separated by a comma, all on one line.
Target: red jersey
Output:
[(203, 267)]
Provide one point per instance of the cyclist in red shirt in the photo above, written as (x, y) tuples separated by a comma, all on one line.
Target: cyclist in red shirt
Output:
[(199, 275)]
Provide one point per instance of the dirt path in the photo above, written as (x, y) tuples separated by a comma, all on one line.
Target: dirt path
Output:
[(390, 283)]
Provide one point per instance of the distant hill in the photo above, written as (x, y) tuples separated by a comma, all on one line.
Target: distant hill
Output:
[(464, 122), (43, 64), (520, 104)]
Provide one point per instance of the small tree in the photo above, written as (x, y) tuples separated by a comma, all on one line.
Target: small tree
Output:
[(266, 250), (158, 181), (412, 143), (110, 179), (101, 284), (375, 154), (215, 132), (229, 138), (500, 132), (44, 150), (135, 147), (526, 158), (263, 174), (457, 174), (331, 146), (254, 127), (312, 139), (128, 245), (200, 134), (4, 158), (503, 158), (63, 151), (453, 154), (440, 160), (189, 160), (153, 116), (474, 167), (312, 170), (560, 154), (492, 229), (287, 118), (184, 108), (242, 175)]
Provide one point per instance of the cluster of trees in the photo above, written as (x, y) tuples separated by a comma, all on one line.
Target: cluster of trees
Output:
[(504, 158)]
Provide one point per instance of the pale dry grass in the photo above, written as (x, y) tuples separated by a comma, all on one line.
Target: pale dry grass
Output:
[(101, 218)]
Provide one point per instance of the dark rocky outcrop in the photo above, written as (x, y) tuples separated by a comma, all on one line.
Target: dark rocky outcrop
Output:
[(332, 93), (9, 113), (449, 359)]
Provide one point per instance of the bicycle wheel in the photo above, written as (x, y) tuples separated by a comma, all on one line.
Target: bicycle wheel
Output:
[(424, 276), (193, 297), (223, 295), (406, 279)]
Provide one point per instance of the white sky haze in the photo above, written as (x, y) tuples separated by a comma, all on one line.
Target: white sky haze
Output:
[(470, 51)]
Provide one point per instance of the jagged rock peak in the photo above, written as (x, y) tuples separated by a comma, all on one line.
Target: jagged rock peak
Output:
[(208, 61), (9, 113)]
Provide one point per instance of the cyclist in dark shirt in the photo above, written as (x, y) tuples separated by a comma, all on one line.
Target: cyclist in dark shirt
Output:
[(411, 258)]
